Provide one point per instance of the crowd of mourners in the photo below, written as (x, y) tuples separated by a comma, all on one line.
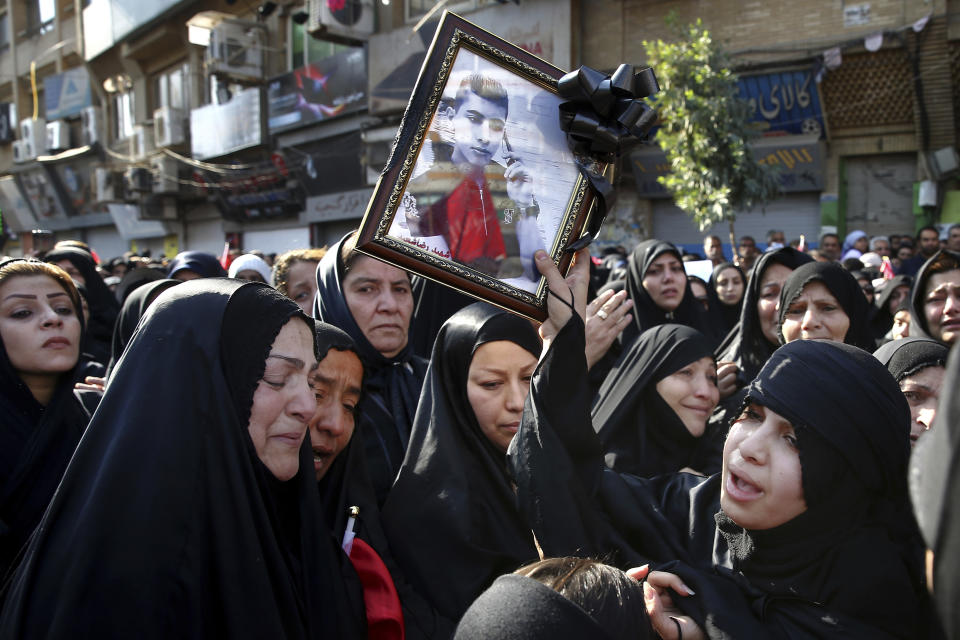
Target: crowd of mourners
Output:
[(318, 445)]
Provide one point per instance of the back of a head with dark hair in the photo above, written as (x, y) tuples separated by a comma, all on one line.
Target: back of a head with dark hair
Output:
[(607, 594), (486, 87), (852, 264)]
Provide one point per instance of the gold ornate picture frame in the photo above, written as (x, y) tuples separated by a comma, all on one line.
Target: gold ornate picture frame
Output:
[(481, 175)]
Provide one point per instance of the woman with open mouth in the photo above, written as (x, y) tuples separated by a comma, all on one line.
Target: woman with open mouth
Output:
[(806, 531), (451, 517), (42, 417), (190, 508)]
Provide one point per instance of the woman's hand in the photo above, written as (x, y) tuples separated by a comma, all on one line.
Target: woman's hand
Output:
[(607, 317), (91, 383), (665, 618), (566, 295), (727, 378)]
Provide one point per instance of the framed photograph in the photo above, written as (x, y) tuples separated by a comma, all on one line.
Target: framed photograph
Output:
[(481, 175)]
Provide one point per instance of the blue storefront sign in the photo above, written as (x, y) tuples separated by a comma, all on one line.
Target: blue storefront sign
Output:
[(66, 94), (785, 101)]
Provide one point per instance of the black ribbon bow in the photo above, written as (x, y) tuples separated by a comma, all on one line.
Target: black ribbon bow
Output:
[(603, 116)]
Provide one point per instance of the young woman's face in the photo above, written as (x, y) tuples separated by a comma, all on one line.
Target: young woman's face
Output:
[(497, 385), (761, 478), (72, 271), (336, 385), (815, 315), (39, 326), (941, 306), (302, 284), (666, 281), (730, 286), (922, 391), (380, 299), (770, 284), (692, 393), (901, 325), (899, 295), (284, 401), (700, 294)]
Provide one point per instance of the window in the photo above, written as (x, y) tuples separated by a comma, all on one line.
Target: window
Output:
[(171, 88), (40, 16), (305, 49), (4, 30), (123, 122)]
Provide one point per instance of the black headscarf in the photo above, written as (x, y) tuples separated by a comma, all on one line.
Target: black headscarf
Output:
[(907, 356), (934, 487), (882, 320), (452, 515), (824, 573), (729, 313), (136, 278), (639, 431), (918, 319), (433, 304), (844, 288), (347, 484), (103, 304), (133, 309), (745, 345), (521, 608), (392, 384), (36, 443), (167, 524), (646, 313), (204, 264)]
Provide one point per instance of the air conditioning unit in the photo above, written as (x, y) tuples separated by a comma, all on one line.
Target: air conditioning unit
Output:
[(165, 174), (91, 126), (33, 137), (18, 152), (141, 142), (58, 136), (169, 127), (109, 184), (236, 50), (342, 20), (138, 180)]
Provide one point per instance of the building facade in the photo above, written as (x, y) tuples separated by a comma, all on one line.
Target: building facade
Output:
[(185, 124)]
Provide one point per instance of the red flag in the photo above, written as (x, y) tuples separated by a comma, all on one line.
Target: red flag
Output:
[(886, 269), (225, 256), (384, 614)]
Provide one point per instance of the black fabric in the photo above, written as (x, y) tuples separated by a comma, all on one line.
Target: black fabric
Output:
[(745, 345), (433, 304), (826, 573), (133, 309), (452, 516), (166, 523), (645, 312), (907, 356), (203, 264), (934, 487), (520, 608), (135, 279), (392, 384), (36, 443), (918, 320), (882, 320), (729, 314), (639, 432), (844, 288), (103, 305), (347, 484)]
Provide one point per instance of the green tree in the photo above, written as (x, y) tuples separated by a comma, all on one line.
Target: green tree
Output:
[(705, 130)]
